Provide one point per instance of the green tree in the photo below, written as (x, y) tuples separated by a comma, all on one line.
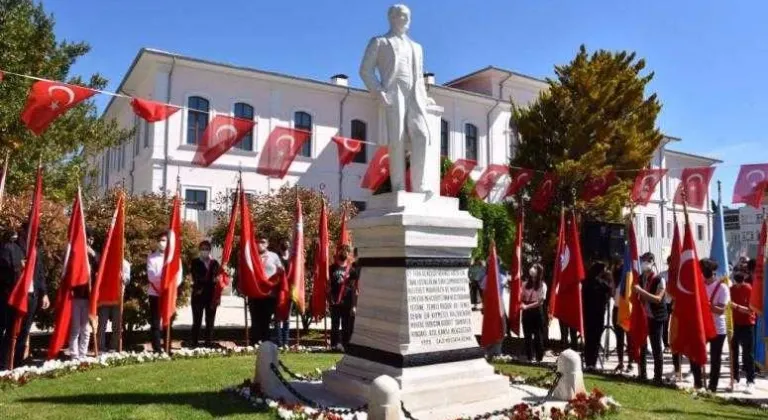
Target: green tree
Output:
[(595, 117), (28, 45)]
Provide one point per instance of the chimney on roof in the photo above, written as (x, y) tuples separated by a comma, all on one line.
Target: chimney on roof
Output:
[(340, 79), (429, 78)]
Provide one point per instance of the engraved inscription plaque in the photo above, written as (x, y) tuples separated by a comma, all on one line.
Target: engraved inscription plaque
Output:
[(439, 311)]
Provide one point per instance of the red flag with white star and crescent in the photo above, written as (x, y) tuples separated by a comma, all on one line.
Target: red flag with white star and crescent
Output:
[(49, 100), (348, 149), (695, 182), (152, 111), (543, 196), (596, 186), (172, 272), (222, 133), (282, 146), (378, 170), (488, 180), (751, 185), (645, 185), (520, 179), (456, 176)]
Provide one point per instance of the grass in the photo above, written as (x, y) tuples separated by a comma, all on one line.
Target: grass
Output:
[(641, 402), (190, 389)]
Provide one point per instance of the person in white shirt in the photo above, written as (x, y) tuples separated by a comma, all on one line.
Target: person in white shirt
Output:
[(718, 296), (262, 309), (154, 275), (532, 297), (111, 313)]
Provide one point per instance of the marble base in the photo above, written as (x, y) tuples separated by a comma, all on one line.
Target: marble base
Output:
[(413, 320)]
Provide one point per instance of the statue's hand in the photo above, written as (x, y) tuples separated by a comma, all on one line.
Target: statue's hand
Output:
[(431, 101), (383, 98)]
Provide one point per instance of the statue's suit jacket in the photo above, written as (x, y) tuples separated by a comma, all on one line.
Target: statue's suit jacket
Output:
[(380, 54)]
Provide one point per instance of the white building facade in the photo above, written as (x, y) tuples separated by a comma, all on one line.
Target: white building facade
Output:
[(474, 125)]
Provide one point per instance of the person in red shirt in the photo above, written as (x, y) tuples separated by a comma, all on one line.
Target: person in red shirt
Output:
[(743, 329)]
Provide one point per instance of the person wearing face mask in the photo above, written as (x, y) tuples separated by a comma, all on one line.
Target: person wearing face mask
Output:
[(282, 328), (262, 309), (12, 260), (651, 292), (79, 333), (743, 330), (621, 336), (596, 293), (341, 296), (719, 296), (532, 297), (155, 277), (111, 313), (204, 270)]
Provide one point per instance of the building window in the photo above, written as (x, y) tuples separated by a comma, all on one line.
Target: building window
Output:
[(759, 218), (245, 112), (650, 226), (359, 131), (470, 141), (303, 121), (669, 230), (444, 137), (197, 119), (359, 205), (146, 133), (196, 199), (700, 232)]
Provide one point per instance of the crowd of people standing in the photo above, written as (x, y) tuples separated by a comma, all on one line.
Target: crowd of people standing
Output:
[(601, 295)]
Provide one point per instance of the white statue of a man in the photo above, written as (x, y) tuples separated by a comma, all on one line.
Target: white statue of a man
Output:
[(401, 91)]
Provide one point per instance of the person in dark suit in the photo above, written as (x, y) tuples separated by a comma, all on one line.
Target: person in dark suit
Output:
[(204, 271), (596, 293), (12, 260)]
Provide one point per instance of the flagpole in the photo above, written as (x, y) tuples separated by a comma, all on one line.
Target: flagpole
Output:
[(119, 328), (730, 339), (173, 283), (5, 178), (684, 196)]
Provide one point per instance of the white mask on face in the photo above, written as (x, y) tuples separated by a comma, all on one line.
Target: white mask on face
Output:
[(646, 266), (162, 244), (532, 272)]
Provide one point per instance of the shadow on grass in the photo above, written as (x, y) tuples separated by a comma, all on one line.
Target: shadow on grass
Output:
[(702, 414), (217, 404)]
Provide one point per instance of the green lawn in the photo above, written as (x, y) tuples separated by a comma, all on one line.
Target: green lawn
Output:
[(190, 389)]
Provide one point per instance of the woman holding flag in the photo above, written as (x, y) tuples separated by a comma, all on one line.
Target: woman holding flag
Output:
[(651, 292)]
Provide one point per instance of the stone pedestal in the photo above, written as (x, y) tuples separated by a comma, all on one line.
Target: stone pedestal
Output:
[(414, 314)]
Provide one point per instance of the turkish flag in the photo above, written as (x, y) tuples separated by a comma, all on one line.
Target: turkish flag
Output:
[(493, 312), (558, 267), (18, 297), (520, 179), (77, 272), (282, 146), (344, 236), (645, 185), (108, 286), (543, 196), (171, 275), (48, 100), (348, 149), (488, 179), (222, 279), (695, 184), (751, 184), (674, 263), (378, 170), (322, 262), (152, 111), (756, 300), (252, 279), (569, 309), (638, 319), (296, 275), (691, 305), (597, 185), (455, 177), (222, 133), (516, 285)]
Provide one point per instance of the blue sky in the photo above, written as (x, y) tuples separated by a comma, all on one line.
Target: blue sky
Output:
[(709, 57)]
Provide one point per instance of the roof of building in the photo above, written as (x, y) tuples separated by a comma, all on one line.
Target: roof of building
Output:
[(693, 156), (489, 69)]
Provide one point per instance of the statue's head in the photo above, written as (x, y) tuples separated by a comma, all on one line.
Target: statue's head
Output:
[(399, 18)]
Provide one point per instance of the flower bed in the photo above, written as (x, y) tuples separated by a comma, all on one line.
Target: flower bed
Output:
[(592, 406), (57, 368)]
